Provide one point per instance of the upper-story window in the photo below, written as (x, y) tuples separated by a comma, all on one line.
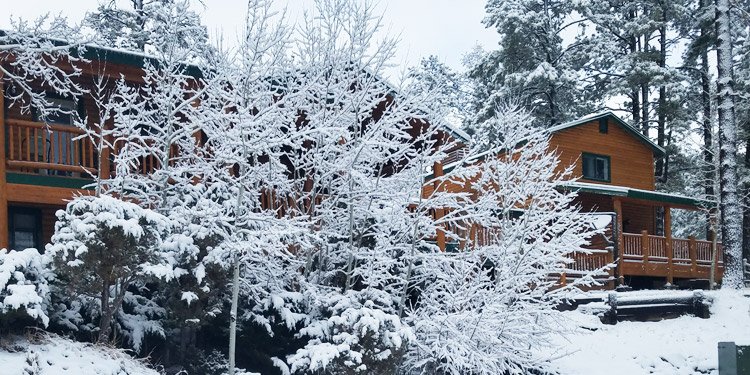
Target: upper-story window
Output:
[(56, 146), (596, 167), (603, 126)]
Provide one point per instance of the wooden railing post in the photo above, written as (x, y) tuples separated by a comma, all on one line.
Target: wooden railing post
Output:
[(693, 249), (439, 212), (645, 246), (4, 240), (714, 260), (669, 245), (620, 245)]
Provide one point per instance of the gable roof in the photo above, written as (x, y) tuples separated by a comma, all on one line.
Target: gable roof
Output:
[(609, 115)]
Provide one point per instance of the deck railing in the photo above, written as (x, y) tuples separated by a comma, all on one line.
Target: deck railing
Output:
[(49, 149), (683, 250)]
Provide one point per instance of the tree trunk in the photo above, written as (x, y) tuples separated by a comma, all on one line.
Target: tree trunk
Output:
[(709, 170), (731, 211), (233, 314), (105, 318), (661, 162), (746, 206), (644, 108)]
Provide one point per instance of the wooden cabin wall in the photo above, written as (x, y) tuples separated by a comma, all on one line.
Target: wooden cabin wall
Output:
[(637, 218), (631, 161), (594, 202)]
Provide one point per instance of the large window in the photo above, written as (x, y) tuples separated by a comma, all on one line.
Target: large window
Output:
[(24, 227), (596, 167), (56, 146)]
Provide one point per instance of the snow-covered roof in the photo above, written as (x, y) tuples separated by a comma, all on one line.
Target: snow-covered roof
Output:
[(628, 192), (659, 151), (94, 51)]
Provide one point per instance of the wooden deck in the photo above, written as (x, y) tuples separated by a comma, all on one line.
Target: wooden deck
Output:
[(643, 254)]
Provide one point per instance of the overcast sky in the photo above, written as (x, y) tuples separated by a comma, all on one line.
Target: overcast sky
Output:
[(445, 28)]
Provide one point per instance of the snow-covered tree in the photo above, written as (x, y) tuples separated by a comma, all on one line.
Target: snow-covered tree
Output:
[(483, 310), (141, 26), (103, 246), (46, 51), (731, 202), (534, 62)]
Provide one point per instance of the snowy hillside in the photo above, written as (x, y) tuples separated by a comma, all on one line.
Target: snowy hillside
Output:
[(686, 345), (54, 355)]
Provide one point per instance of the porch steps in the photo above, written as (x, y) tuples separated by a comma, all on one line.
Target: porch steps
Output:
[(615, 307)]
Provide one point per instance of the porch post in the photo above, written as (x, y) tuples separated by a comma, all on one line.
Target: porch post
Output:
[(617, 205), (4, 230), (645, 246), (668, 239), (437, 171)]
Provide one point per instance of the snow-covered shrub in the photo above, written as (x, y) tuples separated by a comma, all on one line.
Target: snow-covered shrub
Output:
[(211, 362), (353, 333), (23, 284), (102, 246)]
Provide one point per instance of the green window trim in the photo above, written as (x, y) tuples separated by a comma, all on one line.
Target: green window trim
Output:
[(591, 156)]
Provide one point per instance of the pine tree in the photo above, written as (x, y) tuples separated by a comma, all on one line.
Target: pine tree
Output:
[(731, 202), (534, 64)]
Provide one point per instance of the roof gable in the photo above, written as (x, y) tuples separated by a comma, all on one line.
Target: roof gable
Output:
[(658, 151)]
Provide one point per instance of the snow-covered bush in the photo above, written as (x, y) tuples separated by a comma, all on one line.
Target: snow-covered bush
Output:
[(101, 247), (352, 333), (23, 284)]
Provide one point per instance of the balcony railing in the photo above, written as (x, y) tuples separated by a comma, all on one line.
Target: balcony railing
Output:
[(52, 149)]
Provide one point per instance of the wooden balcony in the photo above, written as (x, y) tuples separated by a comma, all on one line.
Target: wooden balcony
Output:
[(52, 150)]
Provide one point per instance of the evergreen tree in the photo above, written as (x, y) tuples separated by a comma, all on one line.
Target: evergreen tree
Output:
[(534, 62)]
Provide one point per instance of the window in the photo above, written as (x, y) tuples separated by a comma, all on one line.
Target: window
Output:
[(24, 227), (659, 214), (596, 167), (66, 109), (58, 146), (603, 126)]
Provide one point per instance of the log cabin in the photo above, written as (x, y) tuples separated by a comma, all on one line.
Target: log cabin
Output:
[(613, 175), (44, 164), (614, 163)]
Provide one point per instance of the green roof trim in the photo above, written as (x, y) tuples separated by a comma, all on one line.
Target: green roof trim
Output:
[(626, 192), (666, 198), (49, 181)]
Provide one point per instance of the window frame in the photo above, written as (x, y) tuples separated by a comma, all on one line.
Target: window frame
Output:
[(585, 155), (603, 126), (36, 232)]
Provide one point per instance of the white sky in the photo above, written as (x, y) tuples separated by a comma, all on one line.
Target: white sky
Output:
[(445, 28)]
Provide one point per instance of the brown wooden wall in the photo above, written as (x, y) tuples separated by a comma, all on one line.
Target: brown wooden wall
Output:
[(632, 162)]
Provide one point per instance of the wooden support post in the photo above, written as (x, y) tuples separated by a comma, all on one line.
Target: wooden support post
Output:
[(669, 247), (563, 279), (645, 248), (693, 248), (714, 260), (437, 172), (617, 205), (4, 230)]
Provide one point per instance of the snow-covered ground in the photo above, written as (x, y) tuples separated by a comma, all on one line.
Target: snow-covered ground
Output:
[(686, 345), (53, 355)]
